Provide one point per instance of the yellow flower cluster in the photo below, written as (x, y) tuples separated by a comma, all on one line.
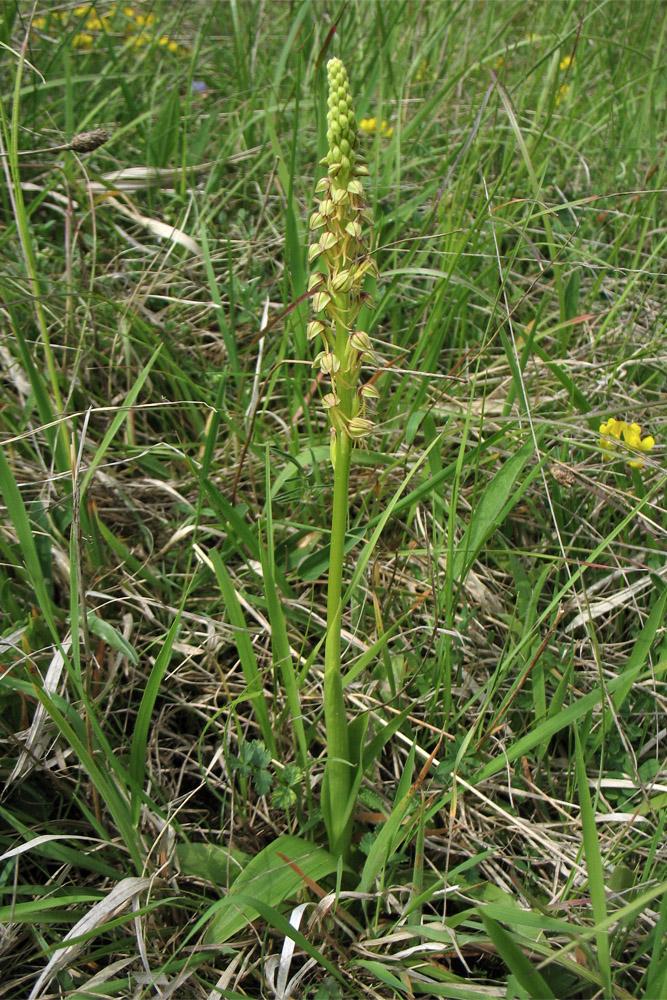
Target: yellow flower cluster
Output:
[(613, 430), (137, 28), (424, 73), (563, 91), (370, 126), (497, 65)]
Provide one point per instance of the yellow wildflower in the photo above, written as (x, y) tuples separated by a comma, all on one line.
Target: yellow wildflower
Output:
[(170, 45), (82, 40), (141, 39), (144, 20), (424, 72), (563, 92), (370, 125), (566, 62), (613, 430)]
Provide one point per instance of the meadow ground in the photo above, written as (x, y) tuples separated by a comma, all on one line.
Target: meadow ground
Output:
[(166, 497)]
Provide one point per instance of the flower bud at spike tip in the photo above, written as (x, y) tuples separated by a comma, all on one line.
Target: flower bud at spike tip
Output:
[(342, 126)]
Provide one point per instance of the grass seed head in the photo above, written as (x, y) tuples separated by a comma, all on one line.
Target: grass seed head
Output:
[(86, 142)]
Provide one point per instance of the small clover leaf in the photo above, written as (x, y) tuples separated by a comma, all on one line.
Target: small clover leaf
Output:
[(284, 797), (252, 762)]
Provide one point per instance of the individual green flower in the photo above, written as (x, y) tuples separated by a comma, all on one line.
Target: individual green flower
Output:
[(613, 430)]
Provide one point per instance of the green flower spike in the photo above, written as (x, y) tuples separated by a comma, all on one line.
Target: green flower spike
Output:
[(344, 261), (340, 247)]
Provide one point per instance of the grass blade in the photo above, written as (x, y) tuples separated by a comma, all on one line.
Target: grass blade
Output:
[(515, 960), (596, 875), (251, 672)]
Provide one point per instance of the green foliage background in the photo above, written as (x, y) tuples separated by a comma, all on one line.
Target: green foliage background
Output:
[(166, 488)]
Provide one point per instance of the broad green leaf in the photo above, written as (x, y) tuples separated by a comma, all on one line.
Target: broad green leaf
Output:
[(19, 517), (218, 865), (280, 644), (495, 503), (143, 720), (163, 140), (101, 776), (596, 874), (119, 419), (273, 876), (385, 841), (249, 907), (112, 637), (515, 960), (246, 651), (641, 649)]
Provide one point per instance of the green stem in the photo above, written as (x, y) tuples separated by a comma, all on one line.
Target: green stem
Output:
[(338, 773)]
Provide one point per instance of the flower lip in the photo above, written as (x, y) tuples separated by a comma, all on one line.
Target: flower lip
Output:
[(320, 301)]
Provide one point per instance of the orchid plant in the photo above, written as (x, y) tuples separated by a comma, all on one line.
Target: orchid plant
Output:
[(337, 288)]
